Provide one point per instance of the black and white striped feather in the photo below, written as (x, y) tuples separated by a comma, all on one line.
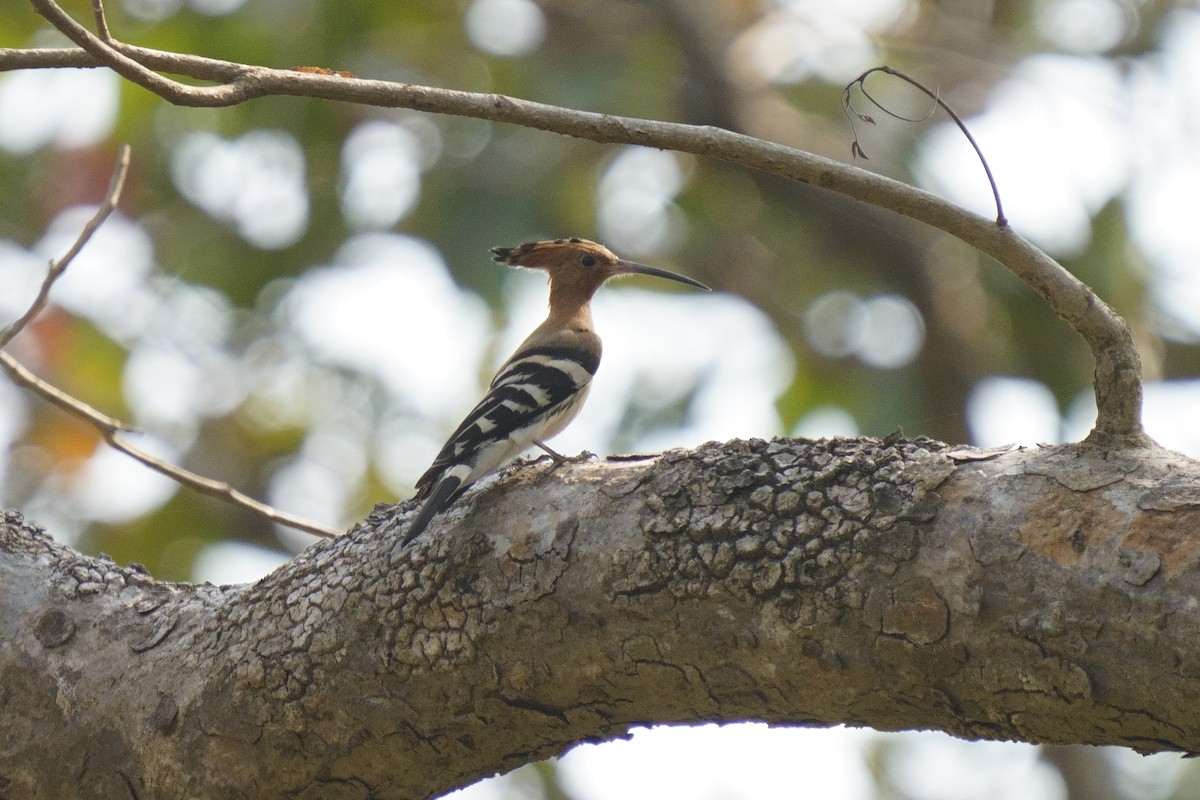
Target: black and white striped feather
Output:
[(533, 397)]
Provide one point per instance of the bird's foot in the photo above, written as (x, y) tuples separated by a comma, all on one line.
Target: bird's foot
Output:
[(559, 459)]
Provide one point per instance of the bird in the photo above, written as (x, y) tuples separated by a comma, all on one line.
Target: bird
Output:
[(542, 386)]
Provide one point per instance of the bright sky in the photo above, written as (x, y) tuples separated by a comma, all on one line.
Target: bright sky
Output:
[(747, 761), (1063, 135)]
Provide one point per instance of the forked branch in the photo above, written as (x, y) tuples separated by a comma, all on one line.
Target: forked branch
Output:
[(113, 431)]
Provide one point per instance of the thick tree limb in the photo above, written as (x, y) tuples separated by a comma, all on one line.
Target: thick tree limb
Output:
[(1043, 595), (1118, 367)]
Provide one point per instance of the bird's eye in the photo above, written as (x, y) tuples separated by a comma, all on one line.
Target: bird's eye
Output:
[(588, 261)]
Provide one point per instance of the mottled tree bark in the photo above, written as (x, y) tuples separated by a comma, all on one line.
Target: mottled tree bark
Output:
[(1047, 595)]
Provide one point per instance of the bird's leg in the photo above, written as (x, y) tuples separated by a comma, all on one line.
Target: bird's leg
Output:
[(559, 459), (556, 456)]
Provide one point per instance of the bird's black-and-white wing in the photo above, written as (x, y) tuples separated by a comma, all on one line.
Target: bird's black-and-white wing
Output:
[(532, 398)]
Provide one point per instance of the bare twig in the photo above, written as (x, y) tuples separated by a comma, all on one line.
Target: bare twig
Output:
[(112, 429), (130, 69), (57, 268), (101, 20), (856, 148), (1118, 367), (199, 67)]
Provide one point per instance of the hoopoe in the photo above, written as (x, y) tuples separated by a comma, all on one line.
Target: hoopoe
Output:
[(541, 388)]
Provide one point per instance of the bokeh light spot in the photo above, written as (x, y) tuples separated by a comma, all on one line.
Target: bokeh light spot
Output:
[(381, 165), (636, 199), (505, 27), (1003, 410), (255, 182), (66, 108)]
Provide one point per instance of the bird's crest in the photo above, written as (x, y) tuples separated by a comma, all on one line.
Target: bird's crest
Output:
[(540, 255)]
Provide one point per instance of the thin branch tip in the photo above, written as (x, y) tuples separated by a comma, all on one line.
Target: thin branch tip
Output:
[(57, 268), (938, 102)]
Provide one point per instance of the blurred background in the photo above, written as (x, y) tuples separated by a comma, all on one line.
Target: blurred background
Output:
[(296, 296)]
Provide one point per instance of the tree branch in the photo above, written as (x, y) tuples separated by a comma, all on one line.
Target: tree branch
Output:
[(1041, 595), (113, 432), (860, 82), (1118, 367), (101, 20), (111, 429), (111, 197)]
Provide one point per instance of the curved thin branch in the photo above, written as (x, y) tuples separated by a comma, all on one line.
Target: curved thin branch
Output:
[(112, 431), (861, 82), (111, 197), (1118, 367)]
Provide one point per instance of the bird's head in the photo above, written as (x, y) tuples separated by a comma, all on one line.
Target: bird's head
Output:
[(578, 267)]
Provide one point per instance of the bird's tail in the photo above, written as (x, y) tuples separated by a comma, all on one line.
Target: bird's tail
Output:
[(444, 491)]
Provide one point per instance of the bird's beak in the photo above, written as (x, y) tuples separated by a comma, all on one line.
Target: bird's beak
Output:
[(623, 267)]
